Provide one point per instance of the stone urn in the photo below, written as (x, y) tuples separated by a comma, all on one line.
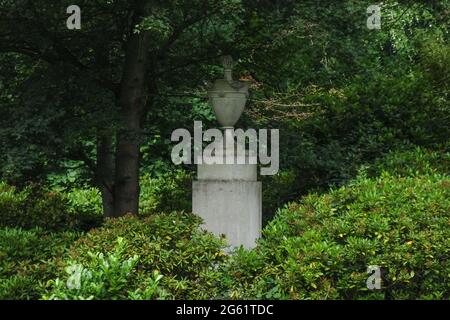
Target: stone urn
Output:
[(227, 194), (228, 97)]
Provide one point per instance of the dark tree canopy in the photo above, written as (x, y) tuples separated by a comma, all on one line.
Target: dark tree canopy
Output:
[(103, 99)]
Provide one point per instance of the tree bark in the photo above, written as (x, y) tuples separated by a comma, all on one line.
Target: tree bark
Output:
[(132, 99), (105, 172)]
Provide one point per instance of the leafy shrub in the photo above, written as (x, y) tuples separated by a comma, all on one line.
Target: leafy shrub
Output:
[(419, 161), (169, 244), (336, 130), (167, 192), (31, 207), (85, 206), (106, 277), (11, 204), (84, 200), (28, 258), (394, 215), (35, 206), (321, 248), (278, 189)]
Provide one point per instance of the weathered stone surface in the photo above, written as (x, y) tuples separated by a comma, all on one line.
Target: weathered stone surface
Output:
[(232, 208)]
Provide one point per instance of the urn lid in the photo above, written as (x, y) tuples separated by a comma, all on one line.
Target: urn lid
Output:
[(227, 84)]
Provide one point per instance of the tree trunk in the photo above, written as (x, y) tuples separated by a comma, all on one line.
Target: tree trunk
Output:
[(105, 172), (131, 99)]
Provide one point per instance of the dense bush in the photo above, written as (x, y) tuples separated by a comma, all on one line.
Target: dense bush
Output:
[(35, 206), (394, 215), (170, 191), (81, 208), (321, 247), (419, 161), (29, 258), (106, 277), (277, 190), (169, 250), (336, 130)]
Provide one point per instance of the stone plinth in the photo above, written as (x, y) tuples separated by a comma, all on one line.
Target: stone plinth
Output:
[(228, 198), (230, 207), (236, 171)]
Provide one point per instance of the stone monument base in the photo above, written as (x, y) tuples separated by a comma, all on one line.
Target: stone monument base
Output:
[(232, 208)]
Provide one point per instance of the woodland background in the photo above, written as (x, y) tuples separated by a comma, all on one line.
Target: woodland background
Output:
[(86, 119)]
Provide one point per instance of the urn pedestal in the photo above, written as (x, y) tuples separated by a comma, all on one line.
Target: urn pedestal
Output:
[(231, 208), (227, 194), (228, 198)]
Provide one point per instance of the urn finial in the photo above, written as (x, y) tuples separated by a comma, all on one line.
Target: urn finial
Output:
[(227, 62)]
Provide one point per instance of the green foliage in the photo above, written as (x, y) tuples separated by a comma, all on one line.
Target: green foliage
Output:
[(279, 188), (318, 248), (105, 277), (345, 95), (81, 208), (34, 206), (419, 161), (170, 191), (321, 247), (84, 200), (342, 96), (157, 25), (167, 245), (394, 215), (28, 258), (356, 125), (56, 102), (84, 206)]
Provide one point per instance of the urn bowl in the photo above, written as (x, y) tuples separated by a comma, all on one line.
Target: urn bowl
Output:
[(228, 101)]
